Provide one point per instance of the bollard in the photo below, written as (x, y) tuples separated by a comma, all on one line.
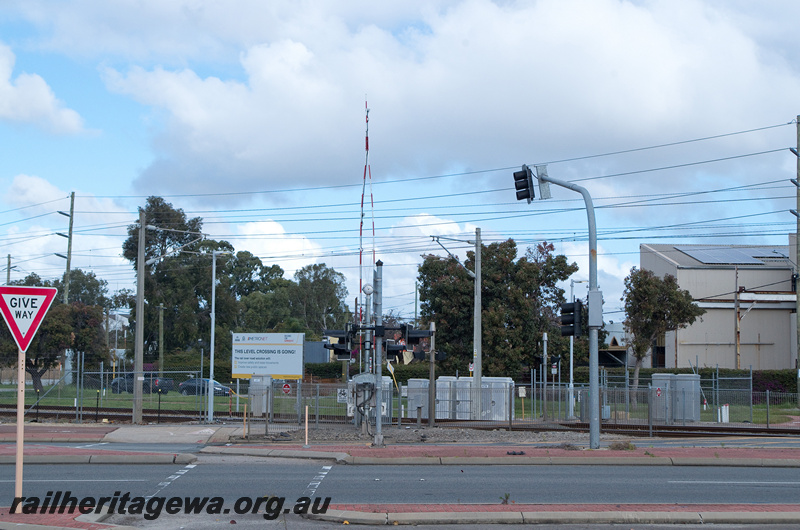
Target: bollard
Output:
[(419, 416), (306, 444), (158, 419), (97, 406)]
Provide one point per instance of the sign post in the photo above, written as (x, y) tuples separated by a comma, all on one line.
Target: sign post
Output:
[(23, 309)]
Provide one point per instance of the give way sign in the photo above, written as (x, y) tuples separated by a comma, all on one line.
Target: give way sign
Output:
[(23, 309)]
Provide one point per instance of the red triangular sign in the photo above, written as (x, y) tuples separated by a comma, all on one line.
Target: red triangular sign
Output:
[(23, 309)]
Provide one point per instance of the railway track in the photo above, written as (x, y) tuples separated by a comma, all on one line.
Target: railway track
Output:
[(118, 415)]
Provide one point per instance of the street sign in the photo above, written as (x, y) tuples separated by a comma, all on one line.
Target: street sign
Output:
[(23, 309), (287, 388), (658, 392)]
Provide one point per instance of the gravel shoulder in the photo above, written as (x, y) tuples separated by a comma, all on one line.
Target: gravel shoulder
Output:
[(405, 434)]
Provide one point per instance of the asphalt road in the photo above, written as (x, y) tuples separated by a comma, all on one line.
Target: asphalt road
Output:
[(233, 478)]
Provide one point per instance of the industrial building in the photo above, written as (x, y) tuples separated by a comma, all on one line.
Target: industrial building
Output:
[(752, 285)]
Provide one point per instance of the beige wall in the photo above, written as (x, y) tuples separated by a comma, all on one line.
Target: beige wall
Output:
[(721, 283), (652, 261), (765, 340)]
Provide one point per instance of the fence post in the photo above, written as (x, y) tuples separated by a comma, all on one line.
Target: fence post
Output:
[(271, 399), (510, 406), (751, 394), (299, 405), (316, 408), (650, 408), (684, 406)]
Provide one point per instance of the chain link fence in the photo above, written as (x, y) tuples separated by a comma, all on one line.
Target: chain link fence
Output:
[(182, 395)]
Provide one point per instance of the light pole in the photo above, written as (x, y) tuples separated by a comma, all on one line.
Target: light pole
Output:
[(138, 355), (210, 387), (571, 343), (796, 181), (477, 332), (525, 190)]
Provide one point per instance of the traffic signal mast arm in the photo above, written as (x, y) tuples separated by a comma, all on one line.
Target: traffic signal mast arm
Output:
[(595, 298)]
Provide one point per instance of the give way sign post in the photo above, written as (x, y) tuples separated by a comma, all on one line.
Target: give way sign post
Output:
[(23, 309)]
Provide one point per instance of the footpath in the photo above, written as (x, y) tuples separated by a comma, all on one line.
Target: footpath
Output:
[(217, 440)]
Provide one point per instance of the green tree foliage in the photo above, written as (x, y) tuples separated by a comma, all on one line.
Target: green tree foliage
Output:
[(84, 287), (520, 297), (318, 299), (653, 306), (76, 326), (170, 230), (250, 296)]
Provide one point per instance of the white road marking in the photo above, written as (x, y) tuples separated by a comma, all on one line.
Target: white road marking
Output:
[(311, 489), (170, 479)]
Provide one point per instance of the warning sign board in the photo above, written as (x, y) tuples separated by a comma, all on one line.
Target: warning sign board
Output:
[(23, 309)]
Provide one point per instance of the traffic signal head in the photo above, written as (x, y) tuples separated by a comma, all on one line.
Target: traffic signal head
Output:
[(341, 342), (414, 336), (523, 182), (342, 352), (394, 350), (571, 316)]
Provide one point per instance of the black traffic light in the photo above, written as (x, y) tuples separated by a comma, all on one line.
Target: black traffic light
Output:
[(523, 182), (414, 336), (394, 350), (571, 317), (341, 342), (343, 353)]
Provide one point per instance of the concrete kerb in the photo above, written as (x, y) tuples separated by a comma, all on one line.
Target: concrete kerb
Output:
[(345, 458), (46, 459), (97, 518), (277, 453), (130, 458), (544, 517), (455, 518)]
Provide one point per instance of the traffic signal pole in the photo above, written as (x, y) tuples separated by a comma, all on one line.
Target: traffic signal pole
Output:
[(378, 353), (595, 309), (477, 350)]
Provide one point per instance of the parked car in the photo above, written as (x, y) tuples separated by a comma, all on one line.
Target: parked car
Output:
[(151, 383), (195, 386)]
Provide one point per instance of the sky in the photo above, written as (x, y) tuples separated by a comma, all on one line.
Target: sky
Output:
[(676, 115)]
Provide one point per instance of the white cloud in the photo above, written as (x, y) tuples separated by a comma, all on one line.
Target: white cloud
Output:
[(28, 99), (270, 241), (521, 80)]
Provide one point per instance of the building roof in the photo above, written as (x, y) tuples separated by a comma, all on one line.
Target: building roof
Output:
[(725, 256)]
